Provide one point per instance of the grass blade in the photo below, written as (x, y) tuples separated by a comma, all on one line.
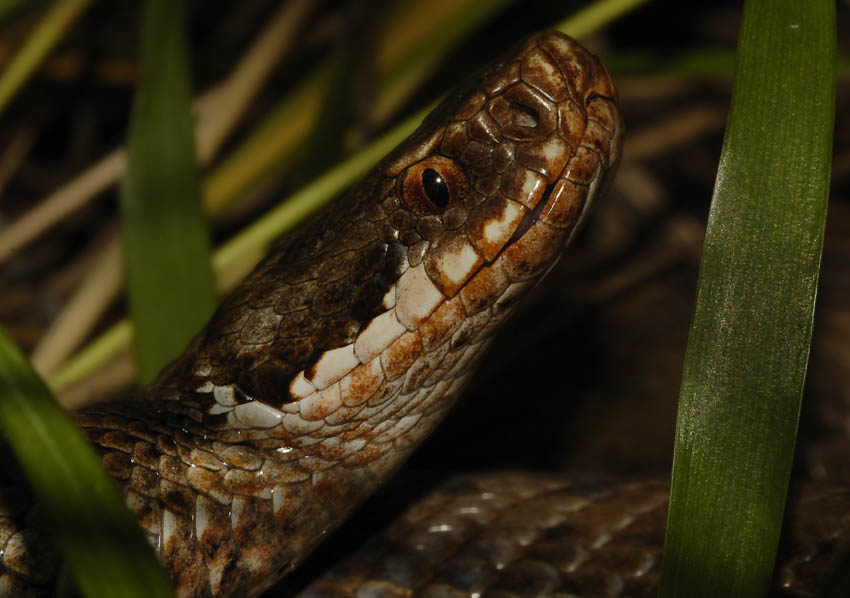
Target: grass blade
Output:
[(106, 550), (169, 279), (344, 100), (596, 15), (749, 342), (7, 7), (38, 45)]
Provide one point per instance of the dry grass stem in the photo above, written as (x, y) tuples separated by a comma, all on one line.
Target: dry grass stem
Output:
[(78, 317), (218, 112), (672, 132)]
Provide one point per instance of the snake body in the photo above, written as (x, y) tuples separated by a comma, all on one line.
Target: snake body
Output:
[(523, 535), (346, 346)]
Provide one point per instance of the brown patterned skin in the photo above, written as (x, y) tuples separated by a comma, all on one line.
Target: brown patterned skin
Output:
[(518, 535), (346, 346)]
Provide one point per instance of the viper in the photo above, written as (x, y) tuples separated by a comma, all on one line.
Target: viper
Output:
[(348, 344)]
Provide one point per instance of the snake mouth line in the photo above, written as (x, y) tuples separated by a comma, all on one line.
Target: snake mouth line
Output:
[(531, 217)]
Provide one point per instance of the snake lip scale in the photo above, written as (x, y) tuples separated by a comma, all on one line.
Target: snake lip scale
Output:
[(346, 346)]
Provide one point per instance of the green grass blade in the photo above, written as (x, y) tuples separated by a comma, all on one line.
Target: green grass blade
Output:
[(169, 278), (343, 103), (7, 7), (446, 24), (749, 342), (101, 542), (596, 15), (58, 19)]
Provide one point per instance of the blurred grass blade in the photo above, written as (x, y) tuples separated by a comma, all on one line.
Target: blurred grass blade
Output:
[(749, 342), (414, 37), (7, 7), (56, 21), (596, 15), (427, 30), (169, 279), (106, 550), (344, 101)]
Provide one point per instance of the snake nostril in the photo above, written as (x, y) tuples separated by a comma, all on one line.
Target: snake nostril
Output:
[(525, 116)]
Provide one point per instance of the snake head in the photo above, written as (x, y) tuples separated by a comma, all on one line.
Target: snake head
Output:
[(391, 292), (499, 178)]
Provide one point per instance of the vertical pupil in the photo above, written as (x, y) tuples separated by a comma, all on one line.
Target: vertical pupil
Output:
[(435, 188)]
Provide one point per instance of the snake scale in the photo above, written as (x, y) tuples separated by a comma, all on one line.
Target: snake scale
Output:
[(344, 349)]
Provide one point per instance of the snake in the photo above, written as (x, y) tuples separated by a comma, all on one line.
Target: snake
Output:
[(345, 347)]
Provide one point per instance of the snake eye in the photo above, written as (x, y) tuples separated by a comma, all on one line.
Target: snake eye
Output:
[(435, 188), (525, 116), (431, 185)]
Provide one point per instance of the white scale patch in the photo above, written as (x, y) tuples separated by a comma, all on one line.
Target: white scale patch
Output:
[(297, 426), (458, 265), (224, 395), (498, 231), (532, 189), (333, 365), (206, 387), (202, 369), (169, 525), (369, 376), (321, 404), (555, 149), (255, 414), (540, 62), (278, 498), (389, 298), (300, 387), (343, 415), (219, 408), (378, 335), (416, 297), (216, 569), (201, 518)]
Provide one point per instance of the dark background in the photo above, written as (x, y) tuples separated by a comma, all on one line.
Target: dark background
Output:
[(585, 377)]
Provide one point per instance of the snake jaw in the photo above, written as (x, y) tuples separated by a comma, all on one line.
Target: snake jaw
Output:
[(531, 217)]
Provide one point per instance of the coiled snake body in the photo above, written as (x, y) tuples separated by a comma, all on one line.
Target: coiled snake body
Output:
[(321, 373)]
